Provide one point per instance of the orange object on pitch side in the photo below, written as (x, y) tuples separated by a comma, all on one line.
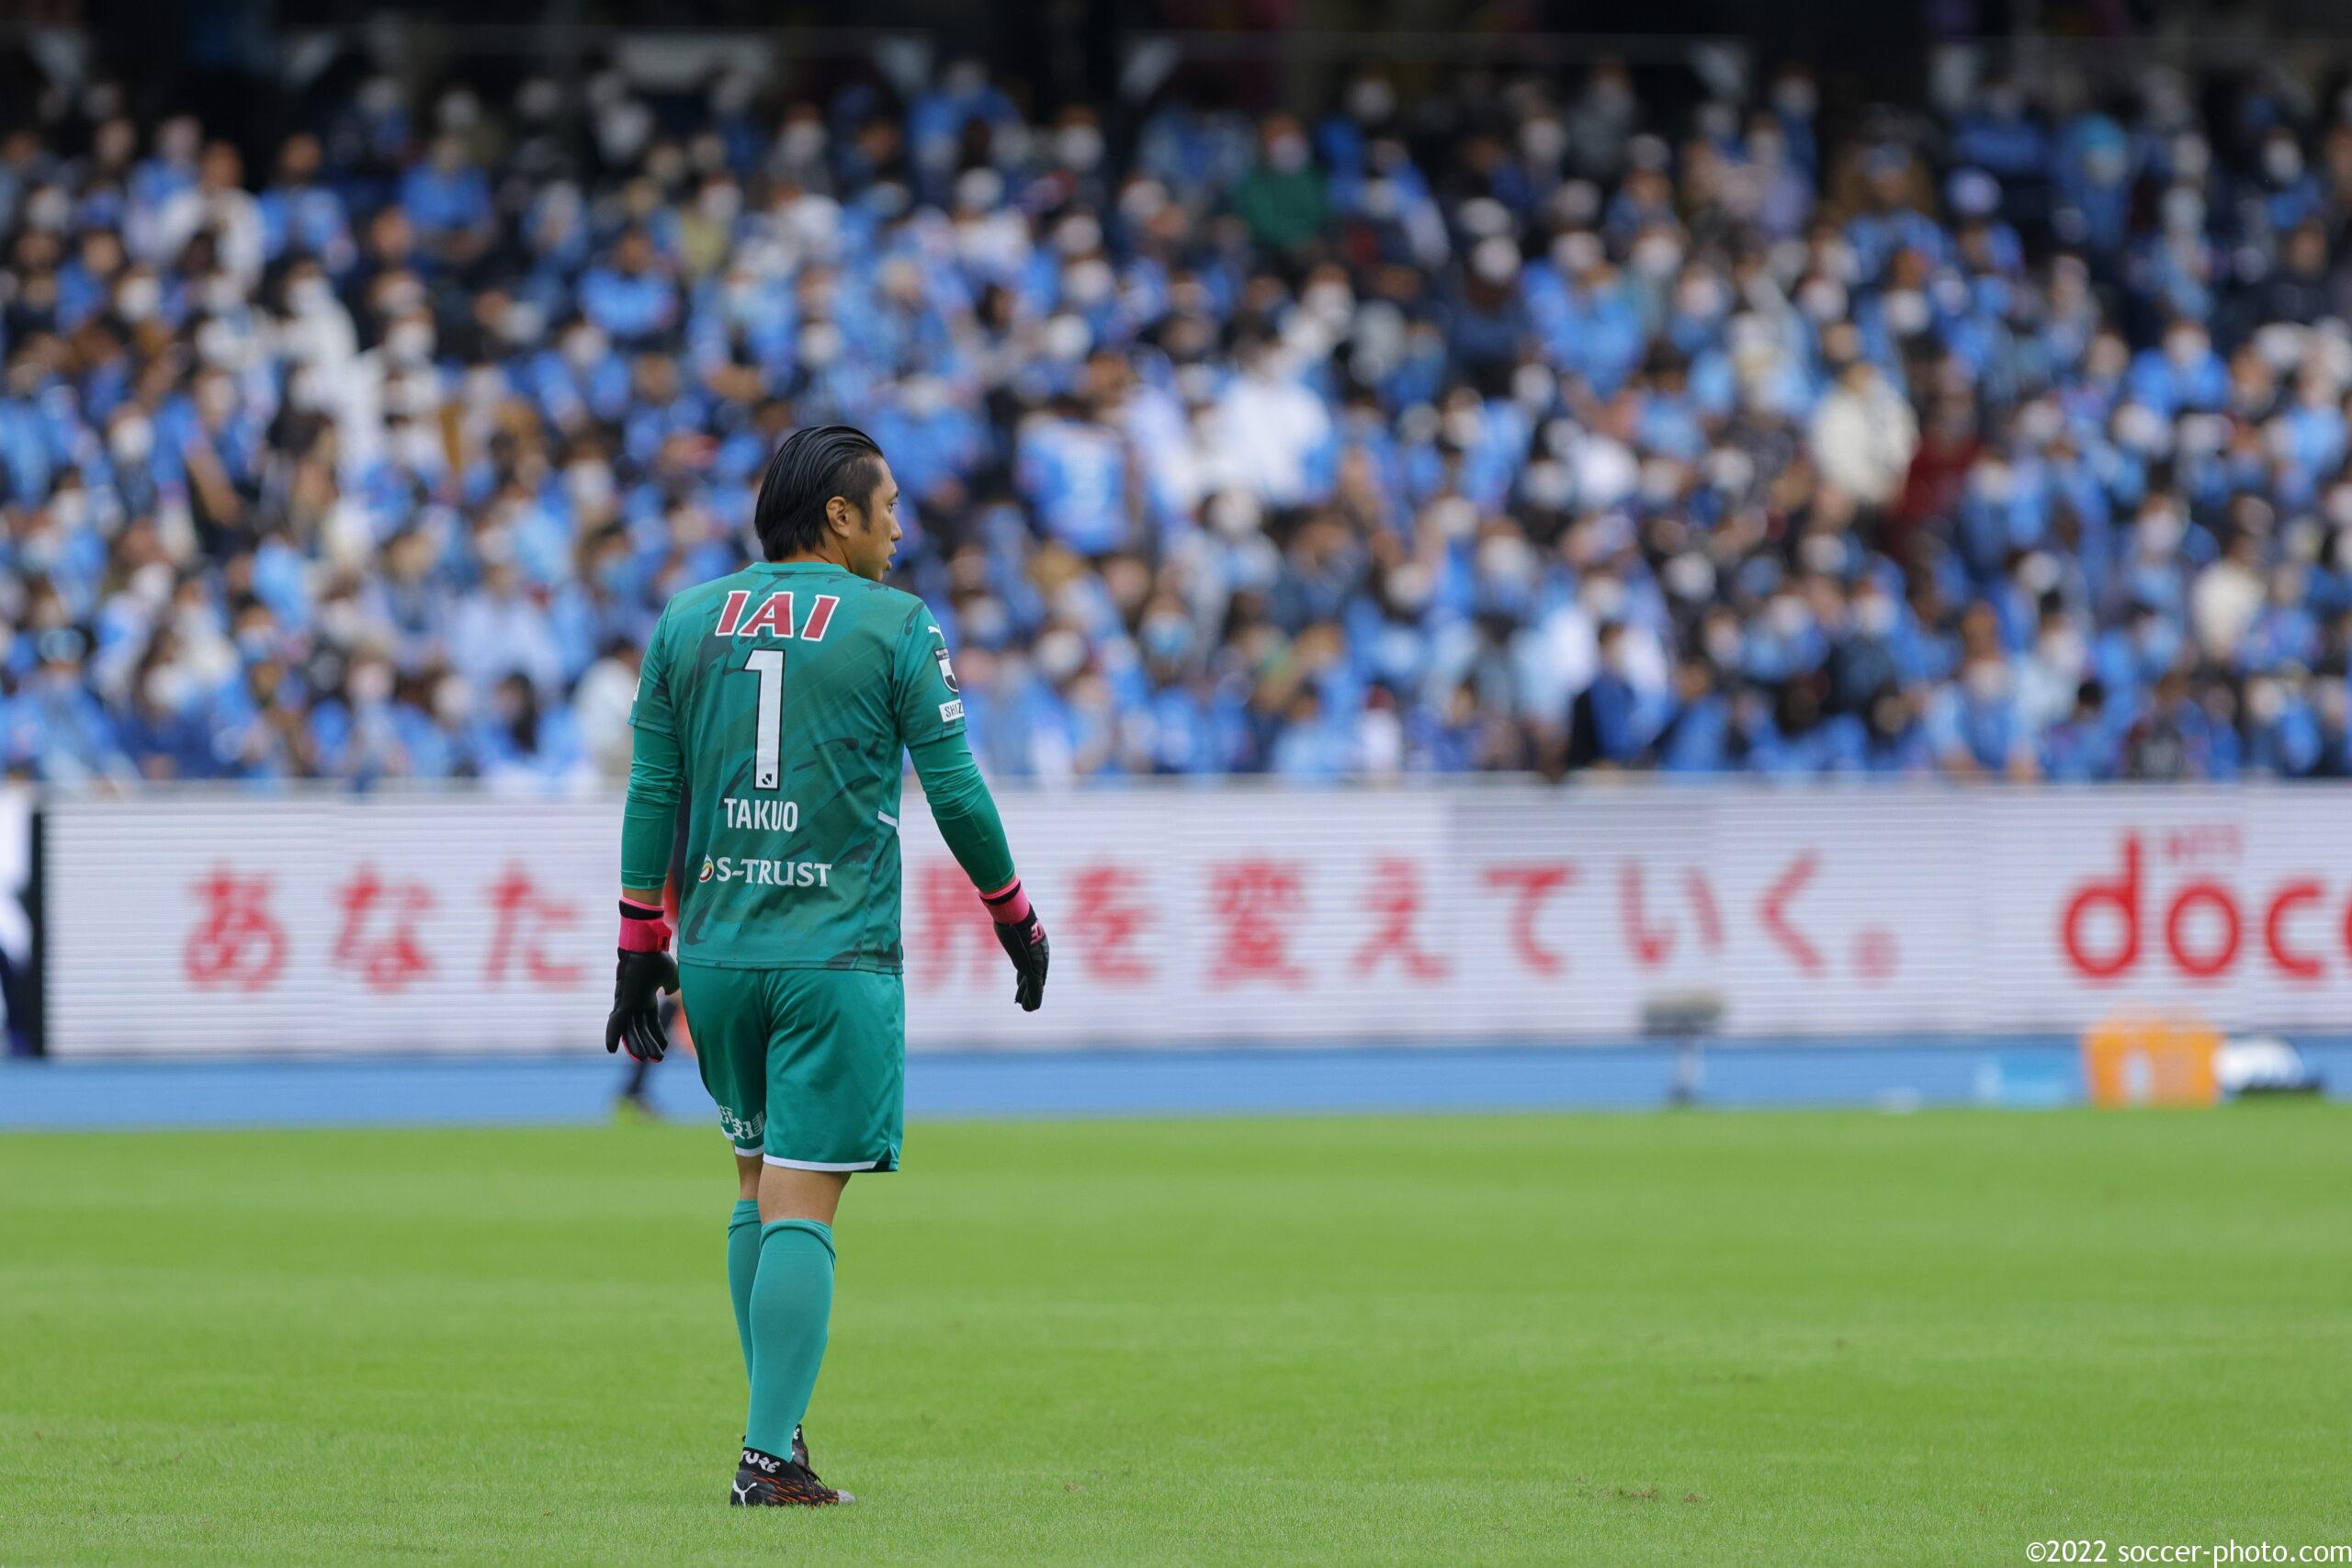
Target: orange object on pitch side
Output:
[(2151, 1061)]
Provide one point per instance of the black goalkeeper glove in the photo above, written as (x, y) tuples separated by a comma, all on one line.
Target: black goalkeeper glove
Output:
[(646, 970), (1022, 936)]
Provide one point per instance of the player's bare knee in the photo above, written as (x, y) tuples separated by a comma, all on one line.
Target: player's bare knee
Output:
[(789, 1193)]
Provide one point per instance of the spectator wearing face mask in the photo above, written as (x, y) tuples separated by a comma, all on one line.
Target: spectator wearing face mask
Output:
[(1282, 200)]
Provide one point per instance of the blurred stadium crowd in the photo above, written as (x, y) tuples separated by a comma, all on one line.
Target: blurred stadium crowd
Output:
[(1519, 423)]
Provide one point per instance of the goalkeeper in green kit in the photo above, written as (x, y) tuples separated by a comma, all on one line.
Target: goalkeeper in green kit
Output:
[(777, 701)]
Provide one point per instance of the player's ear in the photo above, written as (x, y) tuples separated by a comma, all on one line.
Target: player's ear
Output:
[(837, 515)]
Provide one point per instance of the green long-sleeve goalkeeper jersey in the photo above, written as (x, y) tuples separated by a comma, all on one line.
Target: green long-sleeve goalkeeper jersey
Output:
[(779, 698)]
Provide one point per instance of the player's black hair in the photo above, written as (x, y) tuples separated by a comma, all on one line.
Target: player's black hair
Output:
[(811, 468)]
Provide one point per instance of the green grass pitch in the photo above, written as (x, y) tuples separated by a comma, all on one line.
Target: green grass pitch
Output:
[(1692, 1338)]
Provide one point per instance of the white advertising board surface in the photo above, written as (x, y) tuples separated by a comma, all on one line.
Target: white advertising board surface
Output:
[(1250, 915)]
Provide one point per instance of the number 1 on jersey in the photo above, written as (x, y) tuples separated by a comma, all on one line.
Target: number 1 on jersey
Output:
[(768, 746)]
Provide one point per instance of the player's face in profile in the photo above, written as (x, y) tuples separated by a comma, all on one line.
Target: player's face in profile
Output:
[(874, 534)]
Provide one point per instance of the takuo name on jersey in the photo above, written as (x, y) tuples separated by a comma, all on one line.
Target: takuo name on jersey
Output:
[(763, 815)]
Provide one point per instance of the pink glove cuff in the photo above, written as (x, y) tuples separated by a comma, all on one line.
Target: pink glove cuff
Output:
[(1008, 905), (644, 929)]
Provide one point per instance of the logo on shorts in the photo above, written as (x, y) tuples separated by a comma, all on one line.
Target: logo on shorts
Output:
[(745, 1131), (706, 869), (946, 670)]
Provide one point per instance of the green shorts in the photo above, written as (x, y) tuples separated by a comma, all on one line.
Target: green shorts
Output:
[(808, 1065)]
